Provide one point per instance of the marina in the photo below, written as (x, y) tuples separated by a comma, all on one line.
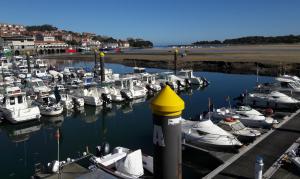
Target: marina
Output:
[(34, 142)]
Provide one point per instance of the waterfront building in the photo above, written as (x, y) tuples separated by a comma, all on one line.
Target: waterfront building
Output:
[(18, 44)]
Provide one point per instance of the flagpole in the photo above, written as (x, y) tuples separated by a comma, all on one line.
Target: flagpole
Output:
[(57, 137)]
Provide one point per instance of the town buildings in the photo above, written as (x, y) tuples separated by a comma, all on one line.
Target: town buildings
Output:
[(19, 40)]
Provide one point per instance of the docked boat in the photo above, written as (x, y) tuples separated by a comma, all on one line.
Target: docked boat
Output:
[(90, 96), (175, 82), (15, 107), (270, 99), (253, 118), (235, 127), (37, 86), (208, 136), (120, 163), (188, 75), (128, 90), (124, 163), (149, 82), (66, 101), (40, 63), (88, 80), (49, 106), (247, 115)]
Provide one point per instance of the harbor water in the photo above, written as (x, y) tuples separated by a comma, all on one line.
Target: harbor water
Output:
[(128, 125)]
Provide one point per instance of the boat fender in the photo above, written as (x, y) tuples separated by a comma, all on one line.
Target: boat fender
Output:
[(229, 119), (269, 112), (98, 151), (68, 160), (105, 148), (55, 166)]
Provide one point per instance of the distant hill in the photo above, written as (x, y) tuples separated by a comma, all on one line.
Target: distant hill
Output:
[(42, 28), (288, 39)]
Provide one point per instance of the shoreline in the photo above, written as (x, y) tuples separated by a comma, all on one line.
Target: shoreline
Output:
[(270, 59)]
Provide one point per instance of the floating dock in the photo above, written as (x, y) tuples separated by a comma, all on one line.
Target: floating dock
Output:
[(270, 146)]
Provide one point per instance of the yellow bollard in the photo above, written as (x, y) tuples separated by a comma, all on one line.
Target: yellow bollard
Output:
[(167, 107)]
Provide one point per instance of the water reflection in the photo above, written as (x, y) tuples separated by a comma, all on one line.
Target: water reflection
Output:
[(21, 132), (53, 121)]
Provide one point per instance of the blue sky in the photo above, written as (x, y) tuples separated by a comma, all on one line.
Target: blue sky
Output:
[(161, 21)]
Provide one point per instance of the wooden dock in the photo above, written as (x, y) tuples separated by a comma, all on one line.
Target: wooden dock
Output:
[(271, 146)]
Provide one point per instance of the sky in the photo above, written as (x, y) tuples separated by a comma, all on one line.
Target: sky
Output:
[(163, 22)]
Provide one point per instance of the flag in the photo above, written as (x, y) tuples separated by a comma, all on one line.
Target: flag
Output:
[(57, 134)]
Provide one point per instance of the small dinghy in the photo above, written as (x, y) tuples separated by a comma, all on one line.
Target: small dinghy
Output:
[(49, 107), (124, 163)]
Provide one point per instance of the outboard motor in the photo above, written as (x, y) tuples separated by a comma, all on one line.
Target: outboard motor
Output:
[(125, 96), (188, 82), (105, 148), (56, 94), (105, 98), (179, 84), (150, 90), (204, 81), (171, 86)]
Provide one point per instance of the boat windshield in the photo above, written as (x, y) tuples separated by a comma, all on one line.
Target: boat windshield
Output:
[(38, 83), (238, 126)]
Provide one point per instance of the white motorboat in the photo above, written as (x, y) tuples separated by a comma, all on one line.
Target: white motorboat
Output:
[(284, 85), (149, 81), (205, 134), (289, 77), (270, 99), (115, 94), (15, 107), (124, 163), (40, 73), (235, 127), (120, 163), (175, 82), (88, 80), (37, 86), (65, 100), (128, 90), (190, 78), (40, 63), (90, 96), (49, 107), (253, 118), (247, 115)]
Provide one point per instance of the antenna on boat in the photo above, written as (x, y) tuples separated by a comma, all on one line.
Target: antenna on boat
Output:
[(209, 106), (257, 73), (228, 99)]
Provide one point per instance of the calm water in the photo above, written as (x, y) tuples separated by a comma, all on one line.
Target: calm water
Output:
[(128, 125)]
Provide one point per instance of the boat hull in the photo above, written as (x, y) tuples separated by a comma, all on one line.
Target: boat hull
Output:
[(23, 115)]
